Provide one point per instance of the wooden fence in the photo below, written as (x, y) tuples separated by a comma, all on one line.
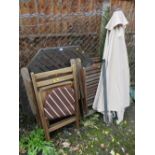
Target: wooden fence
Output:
[(50, 23), (128, 7), (42, 17)]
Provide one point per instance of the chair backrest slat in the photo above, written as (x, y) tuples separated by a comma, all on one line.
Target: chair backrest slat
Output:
[(43, 75), (56, 85), (54, 80), (93, 67)]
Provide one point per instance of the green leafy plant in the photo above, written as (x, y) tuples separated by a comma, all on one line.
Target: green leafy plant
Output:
[(34, 143)]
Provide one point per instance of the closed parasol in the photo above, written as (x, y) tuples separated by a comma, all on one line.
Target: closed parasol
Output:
[(116, 69)]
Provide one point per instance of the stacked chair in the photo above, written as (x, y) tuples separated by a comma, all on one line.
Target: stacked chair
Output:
[(59, 97), (89, 80)]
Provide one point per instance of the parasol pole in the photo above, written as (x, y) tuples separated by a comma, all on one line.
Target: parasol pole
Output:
[(105, 116)]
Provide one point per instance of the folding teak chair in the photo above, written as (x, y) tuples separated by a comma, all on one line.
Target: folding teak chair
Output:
[(90, 79), (57, 97)]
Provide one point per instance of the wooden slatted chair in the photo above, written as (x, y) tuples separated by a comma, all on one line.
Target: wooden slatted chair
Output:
[(90, 78), (57, 82), (30, 94)]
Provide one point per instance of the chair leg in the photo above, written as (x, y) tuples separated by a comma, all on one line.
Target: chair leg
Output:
[(45, 125), (47, 136), (77, 124), (77, 117)]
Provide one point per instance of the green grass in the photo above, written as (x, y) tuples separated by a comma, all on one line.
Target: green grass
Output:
[(95, 138)]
